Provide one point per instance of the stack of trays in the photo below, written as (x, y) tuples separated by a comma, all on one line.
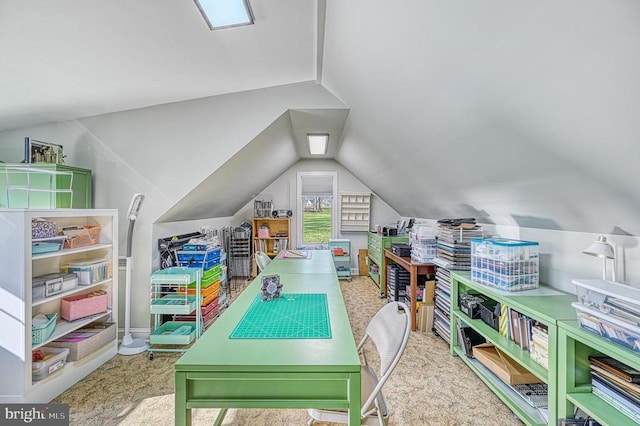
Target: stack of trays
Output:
[(611, 310)]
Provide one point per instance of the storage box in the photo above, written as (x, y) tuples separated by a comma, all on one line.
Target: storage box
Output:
[(42, 228), (199, 259), (90, 272), (174, 304), (502, 366), (47, 245), (86, 340), (506, 264), (52, 284), (488, 314), (42, 369), (263, 233), (83, 305), (81, 236), (611, 310)]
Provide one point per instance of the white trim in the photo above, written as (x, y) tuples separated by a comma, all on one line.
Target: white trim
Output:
[(299, 206)]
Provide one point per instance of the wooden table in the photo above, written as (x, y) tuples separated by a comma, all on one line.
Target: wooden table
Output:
[(414, 270), (219, 372)]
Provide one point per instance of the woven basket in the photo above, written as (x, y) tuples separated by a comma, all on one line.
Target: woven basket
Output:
[(87, 237), (40, 333)]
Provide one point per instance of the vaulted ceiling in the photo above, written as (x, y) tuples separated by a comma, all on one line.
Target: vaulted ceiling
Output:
[(517, 113)]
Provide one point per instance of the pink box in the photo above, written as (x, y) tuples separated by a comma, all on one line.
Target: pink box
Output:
[(263, 233), (83, 305)]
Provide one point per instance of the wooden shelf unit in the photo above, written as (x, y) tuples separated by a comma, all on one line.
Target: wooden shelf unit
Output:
[(278, 239)]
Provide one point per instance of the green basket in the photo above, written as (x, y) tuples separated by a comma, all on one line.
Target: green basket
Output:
[(40, 333)]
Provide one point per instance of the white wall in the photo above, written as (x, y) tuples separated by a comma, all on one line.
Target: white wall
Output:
[(561, 257), (164, 152), (283, 193)]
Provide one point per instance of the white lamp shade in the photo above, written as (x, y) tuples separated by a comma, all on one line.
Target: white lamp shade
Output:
[(600, 248)]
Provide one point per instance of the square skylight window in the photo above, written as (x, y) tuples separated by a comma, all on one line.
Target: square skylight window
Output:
[(225, 13), (317, 143)]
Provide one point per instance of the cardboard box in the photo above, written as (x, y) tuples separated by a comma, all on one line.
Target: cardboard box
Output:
[(425, 317), (502, 366)]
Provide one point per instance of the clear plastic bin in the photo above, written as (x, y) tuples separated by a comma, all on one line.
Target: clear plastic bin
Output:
[(42, 369), (506, 264), (91, 272)]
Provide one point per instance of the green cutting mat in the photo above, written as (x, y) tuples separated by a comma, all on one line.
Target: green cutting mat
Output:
[(292, 316)]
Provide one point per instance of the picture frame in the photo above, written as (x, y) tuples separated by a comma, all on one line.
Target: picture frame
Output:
[(42, 152), (271, 287)]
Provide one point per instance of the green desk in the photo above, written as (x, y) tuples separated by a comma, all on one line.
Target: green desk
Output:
[(320, 262), (219, 372)]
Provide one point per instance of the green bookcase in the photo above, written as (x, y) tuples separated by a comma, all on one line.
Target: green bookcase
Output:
[(376, 245), (45, 186), (575, 345), (546, 305)]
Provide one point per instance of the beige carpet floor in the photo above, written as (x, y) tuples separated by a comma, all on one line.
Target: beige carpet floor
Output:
[(428, 387)]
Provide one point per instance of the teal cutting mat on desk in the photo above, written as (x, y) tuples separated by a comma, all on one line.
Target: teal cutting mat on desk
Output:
[(292, 316)]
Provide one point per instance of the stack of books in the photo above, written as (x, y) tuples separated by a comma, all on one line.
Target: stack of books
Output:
[(617, 384), (453, 253), (539, 346)]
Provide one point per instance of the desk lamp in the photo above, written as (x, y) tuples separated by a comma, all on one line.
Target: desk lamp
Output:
[(602, 249), (129, 345)]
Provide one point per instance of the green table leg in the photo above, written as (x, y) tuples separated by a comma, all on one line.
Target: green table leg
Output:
[(355, 404), (182, 414)]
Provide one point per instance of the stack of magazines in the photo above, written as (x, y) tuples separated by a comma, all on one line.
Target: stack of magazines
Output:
[(616, 383)]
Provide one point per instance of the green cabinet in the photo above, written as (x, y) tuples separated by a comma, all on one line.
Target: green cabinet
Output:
[(575, 345), (45, 186), (376, 245), (546, 305)]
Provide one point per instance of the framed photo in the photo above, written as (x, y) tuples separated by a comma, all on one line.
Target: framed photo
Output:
[(271, 287), (42, 152)]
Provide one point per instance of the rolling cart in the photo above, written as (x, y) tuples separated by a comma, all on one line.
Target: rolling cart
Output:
[(170, 296)]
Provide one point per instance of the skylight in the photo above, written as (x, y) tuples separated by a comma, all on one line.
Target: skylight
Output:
[(225, 13), (317, 143)]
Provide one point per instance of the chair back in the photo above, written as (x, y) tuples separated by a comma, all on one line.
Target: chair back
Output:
[(389, 331), (262, 260)]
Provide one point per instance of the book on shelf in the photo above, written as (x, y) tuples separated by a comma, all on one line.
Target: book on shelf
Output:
[(622, 389), (616, 367), (617, 404), (618, 400), (632, 388)]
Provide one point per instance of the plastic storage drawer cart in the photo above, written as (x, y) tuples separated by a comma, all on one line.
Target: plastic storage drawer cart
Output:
[(167, 301), (505, 264)]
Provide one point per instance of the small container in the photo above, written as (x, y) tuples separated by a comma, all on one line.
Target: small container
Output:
[(42, 369), (90, 272), (83, 305)]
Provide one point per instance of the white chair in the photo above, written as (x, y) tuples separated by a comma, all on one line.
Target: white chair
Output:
[(262, 260), (389, 330)]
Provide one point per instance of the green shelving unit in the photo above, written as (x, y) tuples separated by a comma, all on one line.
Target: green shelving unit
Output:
[(45, 186), (544, 304), (341, 253), (575, 345), (375, 254)]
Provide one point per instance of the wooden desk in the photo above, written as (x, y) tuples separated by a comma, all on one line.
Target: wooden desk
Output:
[(219, 372), (414, 269)]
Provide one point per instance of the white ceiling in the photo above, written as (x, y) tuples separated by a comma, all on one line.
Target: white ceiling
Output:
[(518, 113), (67, 59)]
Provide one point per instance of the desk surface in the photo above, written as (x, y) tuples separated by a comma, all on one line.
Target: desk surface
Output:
[(215, 351), (276, 373), (320, 262)]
